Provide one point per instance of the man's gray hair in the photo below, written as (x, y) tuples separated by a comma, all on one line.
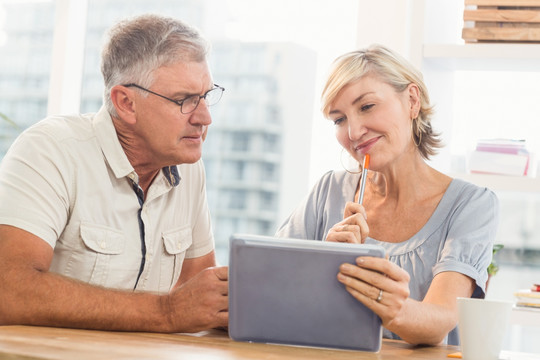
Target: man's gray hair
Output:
[(138, 46)]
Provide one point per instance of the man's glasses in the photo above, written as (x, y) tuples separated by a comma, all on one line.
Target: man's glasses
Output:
[(190, 103)]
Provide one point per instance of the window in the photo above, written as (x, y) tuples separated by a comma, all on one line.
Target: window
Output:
[(234, 170), (271, 143), (26, 40), (240, 141), (267, 201), (260, 54), (234, 199), (269, 172)]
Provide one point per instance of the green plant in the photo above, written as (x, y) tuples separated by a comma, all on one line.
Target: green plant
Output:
[(9, 121), (493, 268)]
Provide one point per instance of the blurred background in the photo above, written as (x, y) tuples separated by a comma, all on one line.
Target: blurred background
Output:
[(268, 143)]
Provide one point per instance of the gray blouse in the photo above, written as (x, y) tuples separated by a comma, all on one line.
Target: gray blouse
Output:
[(458, 236)]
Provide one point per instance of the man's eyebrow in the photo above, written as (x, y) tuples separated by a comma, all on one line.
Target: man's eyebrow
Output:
[(181, 93), (185, 93)]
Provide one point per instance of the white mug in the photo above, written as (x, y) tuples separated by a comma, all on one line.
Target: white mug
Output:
[(482, 326)]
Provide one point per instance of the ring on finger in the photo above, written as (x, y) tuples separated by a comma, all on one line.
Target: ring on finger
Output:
[(379, 298)]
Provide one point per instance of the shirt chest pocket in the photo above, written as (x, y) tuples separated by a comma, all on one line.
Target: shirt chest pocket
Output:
[(175, 244), (103, 245)]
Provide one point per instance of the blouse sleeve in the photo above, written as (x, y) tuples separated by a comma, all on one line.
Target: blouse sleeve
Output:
[(471, 234)]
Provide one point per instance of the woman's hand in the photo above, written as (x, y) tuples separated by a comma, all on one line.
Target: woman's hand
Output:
[(379, 284), (353, 228)]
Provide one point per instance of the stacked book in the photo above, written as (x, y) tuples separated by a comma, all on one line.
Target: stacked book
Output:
[(529, 297), (501, 156)]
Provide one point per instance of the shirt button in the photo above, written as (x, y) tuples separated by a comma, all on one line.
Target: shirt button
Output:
[(103, 245)]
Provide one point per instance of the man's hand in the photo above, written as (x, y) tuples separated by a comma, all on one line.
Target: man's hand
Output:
[(200, 303)]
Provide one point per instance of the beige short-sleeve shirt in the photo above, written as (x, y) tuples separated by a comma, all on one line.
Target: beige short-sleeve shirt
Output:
[(68, 181)]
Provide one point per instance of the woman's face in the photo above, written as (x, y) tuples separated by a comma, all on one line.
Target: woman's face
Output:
[(370, 117)]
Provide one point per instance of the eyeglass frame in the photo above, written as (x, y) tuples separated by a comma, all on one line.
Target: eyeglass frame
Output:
[(181, 102)]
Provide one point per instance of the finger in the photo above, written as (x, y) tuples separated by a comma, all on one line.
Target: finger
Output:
[(362, 291), (370, 282), (223, 288), (352, 208), (358, 220), (372, 277), (223, 303), (383, 266), (363, 231), (372, 302), (342, 236), (223, 318), (221, 272), (346, 231)]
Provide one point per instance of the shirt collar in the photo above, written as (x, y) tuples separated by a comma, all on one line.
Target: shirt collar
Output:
[(110, 145), (172, 175)]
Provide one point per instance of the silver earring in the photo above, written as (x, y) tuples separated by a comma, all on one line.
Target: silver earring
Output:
[(414, 133), (343, 165)]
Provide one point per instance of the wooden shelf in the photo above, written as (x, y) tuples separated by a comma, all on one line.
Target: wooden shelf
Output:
[(525, 316), (502, 182)]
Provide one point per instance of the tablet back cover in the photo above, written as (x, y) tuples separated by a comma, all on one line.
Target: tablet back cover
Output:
[(285, 291)]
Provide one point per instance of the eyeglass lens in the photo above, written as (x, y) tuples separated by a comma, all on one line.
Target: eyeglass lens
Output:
[(212, 97)]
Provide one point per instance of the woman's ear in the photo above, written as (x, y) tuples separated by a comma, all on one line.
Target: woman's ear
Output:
[(123, 101), (414, 100)]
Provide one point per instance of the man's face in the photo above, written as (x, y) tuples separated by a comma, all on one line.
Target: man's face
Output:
[(169, 136)]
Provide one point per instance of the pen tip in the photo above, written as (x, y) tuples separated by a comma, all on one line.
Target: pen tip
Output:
[(366, 161)]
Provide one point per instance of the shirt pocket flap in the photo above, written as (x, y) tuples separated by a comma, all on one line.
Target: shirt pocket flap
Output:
[(177, 241), (102, 239)]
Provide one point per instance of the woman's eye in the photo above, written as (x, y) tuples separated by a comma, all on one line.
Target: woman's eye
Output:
[(367, 107), (338, 121)]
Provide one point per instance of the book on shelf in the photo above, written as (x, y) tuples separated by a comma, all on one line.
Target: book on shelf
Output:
[(502, 157), (528, 297)]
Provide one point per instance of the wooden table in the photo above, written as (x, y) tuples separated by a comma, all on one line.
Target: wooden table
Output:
[(31, 342)]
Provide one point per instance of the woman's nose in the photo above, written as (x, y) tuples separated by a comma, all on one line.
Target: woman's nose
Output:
[(357, 129)]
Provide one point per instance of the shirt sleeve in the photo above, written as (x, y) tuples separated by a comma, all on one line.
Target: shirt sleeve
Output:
[(34, 181), (471, 234)]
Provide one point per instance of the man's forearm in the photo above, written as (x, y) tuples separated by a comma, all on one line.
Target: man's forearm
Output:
[(49, 299)]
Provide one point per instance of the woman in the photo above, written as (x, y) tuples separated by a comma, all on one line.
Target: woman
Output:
[(438, 232)]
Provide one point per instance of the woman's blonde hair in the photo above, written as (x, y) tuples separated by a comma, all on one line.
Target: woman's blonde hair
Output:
[(396, 72)]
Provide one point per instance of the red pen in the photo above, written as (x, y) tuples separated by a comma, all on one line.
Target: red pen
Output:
[(365, 168)]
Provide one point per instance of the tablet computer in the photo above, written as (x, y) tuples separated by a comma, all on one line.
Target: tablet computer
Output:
[(285, 291)]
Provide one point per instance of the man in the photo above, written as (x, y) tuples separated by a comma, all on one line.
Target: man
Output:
[(104, 222)]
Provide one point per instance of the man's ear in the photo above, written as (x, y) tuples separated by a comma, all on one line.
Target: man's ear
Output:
[(122, 99), (414, 99)]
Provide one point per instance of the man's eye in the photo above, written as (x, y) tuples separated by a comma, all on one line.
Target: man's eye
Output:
[(194, 99)]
